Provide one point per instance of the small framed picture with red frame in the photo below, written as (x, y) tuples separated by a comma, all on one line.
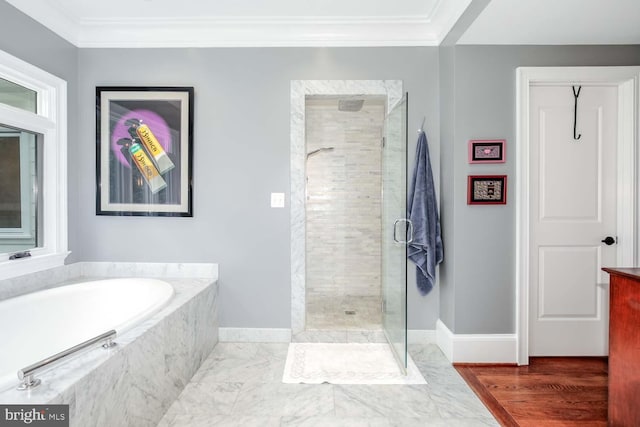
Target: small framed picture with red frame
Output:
[(487, 190)]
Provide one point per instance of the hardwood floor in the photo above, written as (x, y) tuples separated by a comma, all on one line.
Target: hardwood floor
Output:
[(551, 391)]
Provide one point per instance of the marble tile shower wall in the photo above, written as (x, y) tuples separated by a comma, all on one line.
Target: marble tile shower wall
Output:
[(343, 200)]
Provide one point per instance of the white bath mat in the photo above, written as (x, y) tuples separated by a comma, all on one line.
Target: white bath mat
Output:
[(350, 363)]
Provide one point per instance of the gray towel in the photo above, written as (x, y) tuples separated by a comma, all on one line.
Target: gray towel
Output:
[(422, 209)]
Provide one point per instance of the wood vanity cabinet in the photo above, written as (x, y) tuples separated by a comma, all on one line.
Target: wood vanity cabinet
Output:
[(624, 347)]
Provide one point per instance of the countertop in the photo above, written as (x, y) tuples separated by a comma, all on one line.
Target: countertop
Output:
[(631, 273)]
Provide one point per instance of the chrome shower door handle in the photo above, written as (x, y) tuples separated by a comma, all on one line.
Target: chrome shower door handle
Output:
[(408, 230), (395, 229)]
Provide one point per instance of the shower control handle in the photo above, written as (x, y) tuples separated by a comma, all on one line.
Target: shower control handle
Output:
[(408, 230)]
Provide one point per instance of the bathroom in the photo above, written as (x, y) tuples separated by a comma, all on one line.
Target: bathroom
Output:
[(242, 154)]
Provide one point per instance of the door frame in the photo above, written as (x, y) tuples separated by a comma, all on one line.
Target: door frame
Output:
[(627, 79)]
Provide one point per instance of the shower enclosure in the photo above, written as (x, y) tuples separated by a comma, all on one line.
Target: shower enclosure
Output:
[(348, 208), (343, 212), (397, 231)]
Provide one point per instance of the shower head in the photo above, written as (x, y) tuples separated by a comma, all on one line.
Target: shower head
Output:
[(311, 153), (350, 104)]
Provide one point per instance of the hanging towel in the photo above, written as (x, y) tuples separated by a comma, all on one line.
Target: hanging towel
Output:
[(422, 209)]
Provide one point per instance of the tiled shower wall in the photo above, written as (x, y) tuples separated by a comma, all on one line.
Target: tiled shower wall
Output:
[(343, 211)]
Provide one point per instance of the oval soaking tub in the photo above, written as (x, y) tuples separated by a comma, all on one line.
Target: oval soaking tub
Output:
[(38, 325)]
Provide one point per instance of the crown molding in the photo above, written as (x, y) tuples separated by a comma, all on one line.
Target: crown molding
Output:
[(262, 31), (258, 32)]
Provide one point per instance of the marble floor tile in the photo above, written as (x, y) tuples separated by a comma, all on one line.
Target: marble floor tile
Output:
[(339, 422), (272, 351), (320, 336), (466, 405), (167, 419), (384, 400), (206, 398), (440, 375), (187, 420), (451, 422), (259, 363), (428, 355), (236, 350), (240, 384), (383, 422), (285, 400)]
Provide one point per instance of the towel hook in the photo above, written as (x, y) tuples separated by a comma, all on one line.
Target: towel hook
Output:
[(424, 118), (575, 110)]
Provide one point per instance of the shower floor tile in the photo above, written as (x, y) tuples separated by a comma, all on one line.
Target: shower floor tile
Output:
[(343, 313), (240, 384)]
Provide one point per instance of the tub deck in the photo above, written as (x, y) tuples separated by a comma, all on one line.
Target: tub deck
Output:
[(135, 382)]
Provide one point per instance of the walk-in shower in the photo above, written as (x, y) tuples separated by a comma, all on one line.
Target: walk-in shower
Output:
[(343, 212), (348, 201)]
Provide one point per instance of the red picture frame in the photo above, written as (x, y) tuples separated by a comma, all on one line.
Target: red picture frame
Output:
[(487, 190)]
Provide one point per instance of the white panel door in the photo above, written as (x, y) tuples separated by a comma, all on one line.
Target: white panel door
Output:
[(572, 209)]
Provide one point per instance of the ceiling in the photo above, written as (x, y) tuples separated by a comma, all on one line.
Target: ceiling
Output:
[(231, 23), (556, 22)]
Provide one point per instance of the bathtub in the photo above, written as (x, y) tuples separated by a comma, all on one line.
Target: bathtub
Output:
[(38, 325)]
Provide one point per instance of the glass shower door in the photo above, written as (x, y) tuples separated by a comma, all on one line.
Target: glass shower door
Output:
[(395, 229)]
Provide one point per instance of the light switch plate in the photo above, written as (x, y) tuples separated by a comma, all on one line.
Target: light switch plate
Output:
[(277, 200)]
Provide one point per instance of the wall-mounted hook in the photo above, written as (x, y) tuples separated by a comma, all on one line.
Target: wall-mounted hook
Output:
[(575, 110), (422, 125)]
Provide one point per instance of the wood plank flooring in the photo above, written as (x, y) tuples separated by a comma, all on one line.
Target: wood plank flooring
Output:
[(551, 391)]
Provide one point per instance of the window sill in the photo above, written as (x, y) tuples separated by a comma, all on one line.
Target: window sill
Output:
[(20, 267)]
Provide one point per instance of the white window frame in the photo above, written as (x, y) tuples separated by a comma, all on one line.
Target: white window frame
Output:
[(25, 232), (50, 121)]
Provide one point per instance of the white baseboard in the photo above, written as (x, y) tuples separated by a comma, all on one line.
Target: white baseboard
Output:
[(444, 339), (254, 335), (476, 348)]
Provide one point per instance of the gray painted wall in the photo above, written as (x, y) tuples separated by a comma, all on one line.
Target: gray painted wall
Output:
[(447, 132), (241, 154), (477, 283), (28, 40)]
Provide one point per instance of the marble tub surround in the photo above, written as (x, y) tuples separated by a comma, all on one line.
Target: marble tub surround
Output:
[(135, 382), (79, 271), (39, 281), (240, 384)]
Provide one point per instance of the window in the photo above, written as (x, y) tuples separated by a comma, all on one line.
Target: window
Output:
[(33, 202), (20, 171), (18, 96)]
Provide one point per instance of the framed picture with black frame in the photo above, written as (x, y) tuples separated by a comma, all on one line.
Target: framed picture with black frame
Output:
[(144, 151), (487, 190), (487, 151)]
